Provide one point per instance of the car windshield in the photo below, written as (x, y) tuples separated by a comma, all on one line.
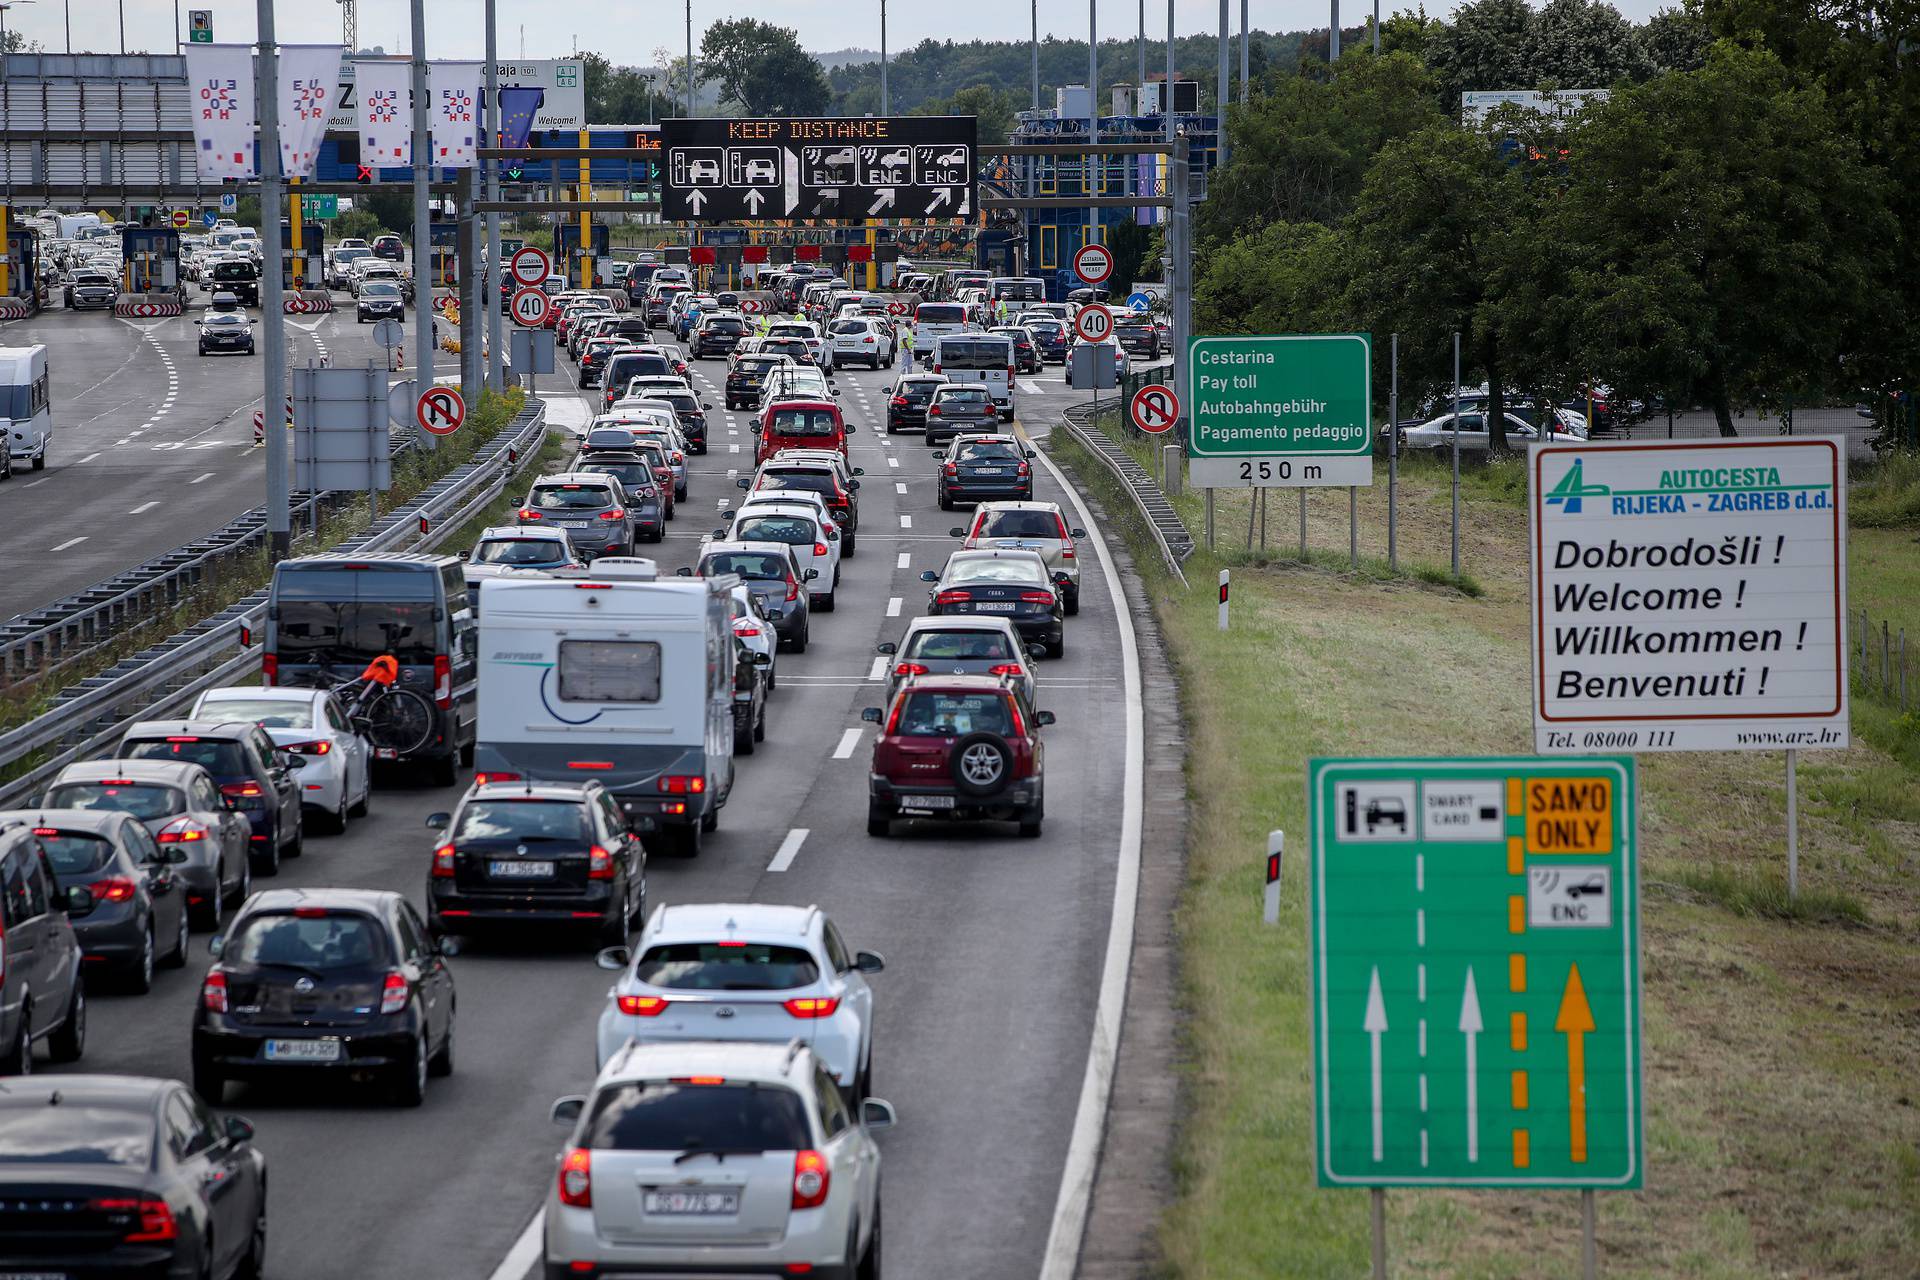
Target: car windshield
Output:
[(268, 713), (793, 347), (379, 289), (850, 326), (31, 1132), (661, 1115), (759, 566), (221, 757), (534, 551), (725, 324), (726, 966), (961, 645), (308, 938), (523, 820), (791, 530), (568, 497), (757, 364), (74, 853), (1019, 524), (973, 353), (991, 571), (806, 422), (919, 390), (229, 320), (952, 715), (141, 799), (987, 451)]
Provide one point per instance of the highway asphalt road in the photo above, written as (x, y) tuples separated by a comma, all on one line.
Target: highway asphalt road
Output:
[(993, 944)]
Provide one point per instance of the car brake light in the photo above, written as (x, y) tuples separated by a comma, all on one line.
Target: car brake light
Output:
[(1007, 669), (793, 589), (482, 779), (181, 831), (819, 548), (1019, 721), (951, 469), (1037, 597), (112, 889), (642, 1006), (898, 402), (153, 1223), (576, 1178), (269, 669), (599, 864), (528, 513), (812, 1006), (909, 669), (746, 629), (319, 747), (213, 991), (182, 737), (953, 597), (933, 410), (811, 1179), (611, 515), (1023, 469), (442, 681), (241, 789), (443, 862), (394, 993), (680, 784)]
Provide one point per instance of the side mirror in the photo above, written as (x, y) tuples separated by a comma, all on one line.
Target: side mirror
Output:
[(851, 429), (812, 574), (294, 762), (614, 958), (878, 1113), (719, 533), (173, 855), (755, 428), (77, 901), (239, 1132), (743, 483), (859, 471), (957, 532), (871, 715), (886, 646), (705, 405), (1032, 454), (1077, 533), (566, 1110), (217, 945), (869, 961), (684, 572), (853, 484), (1043, 717), (439, 821), (928, 575)]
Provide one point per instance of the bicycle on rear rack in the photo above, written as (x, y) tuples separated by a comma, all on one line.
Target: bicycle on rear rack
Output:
[(396, 722)]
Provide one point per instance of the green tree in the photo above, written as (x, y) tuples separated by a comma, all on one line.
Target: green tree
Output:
[(1676, 40), (762, 68), (994, 108), (359, 221), (620, 95), (1284, 278), (1504, 44), (1723, 237)]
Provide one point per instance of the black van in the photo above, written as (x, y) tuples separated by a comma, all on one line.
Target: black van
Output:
[(333, 614)]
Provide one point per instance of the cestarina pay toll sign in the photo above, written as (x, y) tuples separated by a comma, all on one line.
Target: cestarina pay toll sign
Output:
[(1689, 596)]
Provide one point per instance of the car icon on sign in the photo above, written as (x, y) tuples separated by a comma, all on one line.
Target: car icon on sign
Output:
[(708, 171), (957, 156), (1594, 886), (1384, 811), (760, 169), (892, 165), (841, 159)]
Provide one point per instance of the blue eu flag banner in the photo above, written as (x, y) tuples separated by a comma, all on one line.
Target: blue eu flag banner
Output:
[(518, 106)]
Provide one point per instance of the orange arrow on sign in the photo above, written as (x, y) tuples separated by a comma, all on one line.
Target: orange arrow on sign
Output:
[(1575, 1020)]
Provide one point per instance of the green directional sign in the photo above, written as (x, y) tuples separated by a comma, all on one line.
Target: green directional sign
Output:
[(320, 207), (1301, 399), (1476, 972)]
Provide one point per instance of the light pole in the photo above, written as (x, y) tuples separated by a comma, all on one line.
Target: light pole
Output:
[(1246, 90), (490, 293), (422, 218), (885, 102), (1093, 121), (1220, 95), (689, 59), (272, 309), (1035, 46)]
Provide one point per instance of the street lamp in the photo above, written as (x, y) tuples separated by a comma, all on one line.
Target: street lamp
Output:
[(885, 102)]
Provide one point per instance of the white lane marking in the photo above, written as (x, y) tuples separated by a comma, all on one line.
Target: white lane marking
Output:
[(893, 606), (71, 542), (848, 741), (145, 506), (789, 849), (89, 458), (906, 522), (878, 670), (906, 558), (733, 448), (892, 461), (198, 479), (1096, 1088), (31, 483), (525, 1251), (899, 486)]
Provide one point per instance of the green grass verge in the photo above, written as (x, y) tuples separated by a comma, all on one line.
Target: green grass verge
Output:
[(1782, 1123)]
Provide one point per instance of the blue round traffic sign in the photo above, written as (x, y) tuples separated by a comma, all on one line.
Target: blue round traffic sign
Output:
[(1140, 301)]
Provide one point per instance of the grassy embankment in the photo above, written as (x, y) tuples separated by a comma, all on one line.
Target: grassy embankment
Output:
[(1783, 1102)]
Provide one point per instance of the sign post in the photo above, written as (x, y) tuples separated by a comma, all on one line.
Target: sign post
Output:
[(1475, 942), (1281, 411)]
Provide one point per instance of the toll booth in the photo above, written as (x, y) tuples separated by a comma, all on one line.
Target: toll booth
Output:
[(21, 297), (443, 265), (566, 240), (306, 269), (152, 258)]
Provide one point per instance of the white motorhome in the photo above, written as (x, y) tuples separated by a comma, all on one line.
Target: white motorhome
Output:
[(615, 674), (26, 403)]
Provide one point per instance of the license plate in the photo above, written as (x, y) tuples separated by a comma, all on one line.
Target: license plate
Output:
[(695, 1203), (303, 1051), (501, 870), (994, 606), (575, 524), (991, 471), (926, 802)]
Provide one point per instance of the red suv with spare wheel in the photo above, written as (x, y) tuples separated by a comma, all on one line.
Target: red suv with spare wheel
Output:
[(957, 748)]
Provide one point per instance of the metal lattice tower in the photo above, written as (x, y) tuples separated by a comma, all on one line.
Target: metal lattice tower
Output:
[(348, 33)]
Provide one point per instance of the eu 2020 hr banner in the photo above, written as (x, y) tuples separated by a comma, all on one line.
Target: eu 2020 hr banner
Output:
[(220, 87), (455, 113), (386, 113), (309, 78)]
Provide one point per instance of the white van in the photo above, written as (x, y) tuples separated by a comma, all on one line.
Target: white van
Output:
[(986, 358), (26, 403), (615, 674), (934, 320)]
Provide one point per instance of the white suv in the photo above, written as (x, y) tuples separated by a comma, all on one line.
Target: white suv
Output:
[(745, 971), (715, 1158)]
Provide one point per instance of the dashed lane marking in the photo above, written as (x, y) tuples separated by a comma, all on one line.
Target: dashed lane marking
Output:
[(71, 542), (878, 670), (145, 506), (906, 558), (848, 740), (893, 606), (789, 849), (197, 479), (906, 522)]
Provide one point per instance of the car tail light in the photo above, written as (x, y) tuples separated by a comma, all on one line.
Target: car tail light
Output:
[(1009, 373), (936, 368), (746, 629), (482, 779), (576, 1178), (933, 410), (1037, 597), (812, 1006), (909, 669), (954, 597), (442, 681), (811, 1179), (394, 993), (898, 402), (181, 831), (112, 889), (528, 513), (951, 469), (642, 1006), (269, 669), (319, 747), (213, 991), (152, 1219), (683, 784), (1007, 669), (1023, 469), (611, 515), (793, 589), (599, 864), (243, 791), (443, 862)]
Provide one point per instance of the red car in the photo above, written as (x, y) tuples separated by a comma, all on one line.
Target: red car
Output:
[(957, 748), (800, 424)]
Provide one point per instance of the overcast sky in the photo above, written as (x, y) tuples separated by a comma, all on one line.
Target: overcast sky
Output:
[(629, 32)]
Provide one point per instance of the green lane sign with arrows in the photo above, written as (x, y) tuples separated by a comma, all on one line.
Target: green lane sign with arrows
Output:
[(1476, 972)]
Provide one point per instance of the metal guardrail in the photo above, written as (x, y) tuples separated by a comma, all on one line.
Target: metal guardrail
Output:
[(88, 716), (1163, 522)]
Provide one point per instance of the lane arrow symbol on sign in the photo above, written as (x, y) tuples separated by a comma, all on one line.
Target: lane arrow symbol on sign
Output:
[(1574, 1021), (884, 201), (1470, 1027), (941, 195), (696, 198), (1375, 1026), (753, 200)]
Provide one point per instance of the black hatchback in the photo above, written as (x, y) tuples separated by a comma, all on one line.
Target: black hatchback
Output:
[(984, 469), (552, 853), (336, 982), (254, 775), (908, 401), (747, 374), (1014, 585)]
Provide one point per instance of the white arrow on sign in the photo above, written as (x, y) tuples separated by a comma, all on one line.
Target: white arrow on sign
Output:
[(697, 198), (753, 199), (1375, 1027), (941, 195), (1471, 1027), (884, 201)]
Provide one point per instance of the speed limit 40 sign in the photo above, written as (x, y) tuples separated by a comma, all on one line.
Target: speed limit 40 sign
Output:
[(1094, 323), (530, 307)]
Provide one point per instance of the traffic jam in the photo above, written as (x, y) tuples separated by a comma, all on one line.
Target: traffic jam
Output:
[(582, 701)]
